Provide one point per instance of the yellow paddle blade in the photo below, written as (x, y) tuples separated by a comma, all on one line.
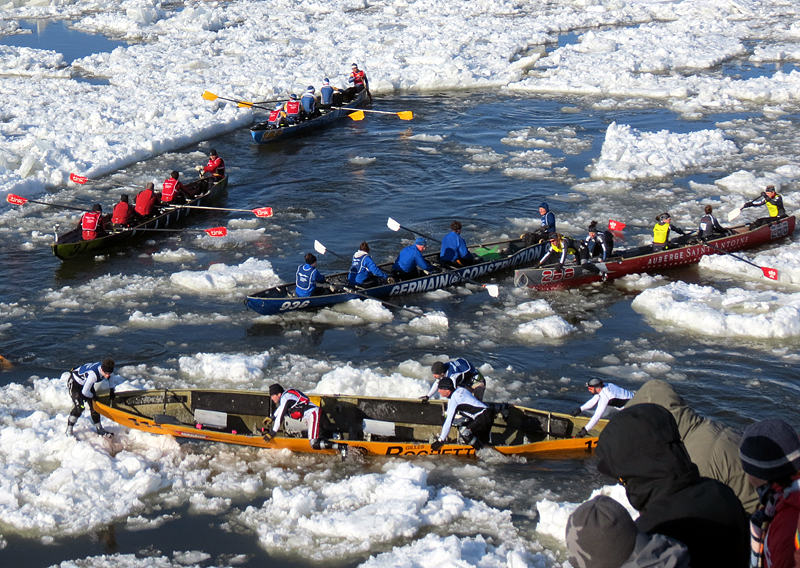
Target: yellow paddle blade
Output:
[(358, 115), (405, 115), (245, 104), (209, 96)]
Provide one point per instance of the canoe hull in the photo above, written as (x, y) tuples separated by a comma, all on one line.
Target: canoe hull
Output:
[(643, 259), (263, 134), (71, 244), (281, 299), (240, 415)]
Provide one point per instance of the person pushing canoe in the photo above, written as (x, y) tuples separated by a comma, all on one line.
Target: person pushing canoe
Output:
[(476, 416)]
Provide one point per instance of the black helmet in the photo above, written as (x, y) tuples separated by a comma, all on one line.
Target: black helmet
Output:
[(446, 384)]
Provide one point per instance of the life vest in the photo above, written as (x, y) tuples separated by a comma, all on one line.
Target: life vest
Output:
[(357, 267), (326, 94), (89, 224), (358, 77), (145, 202), (171, 188), (773, 209), (122, 213), (292, 108), (309, 102), (275, 117), (297, 408), (216, 166), (660, 233)]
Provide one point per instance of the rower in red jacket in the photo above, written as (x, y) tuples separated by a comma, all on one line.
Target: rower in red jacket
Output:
[(146, 200), (173, 190), (215, 166), (123, 212), (92, 223)]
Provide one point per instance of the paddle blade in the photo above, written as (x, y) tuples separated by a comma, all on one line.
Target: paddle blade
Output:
[(405, 115), (770, 273), (615, 225), (319, 247), (78, 179), (209, 96), (216, 231), (263, 212), (16, 199), (358, 115), (735, 213), (244, 104), (393, 225), (493, 289)]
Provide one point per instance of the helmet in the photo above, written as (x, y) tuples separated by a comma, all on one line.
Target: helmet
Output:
[(310, 89), (279, 106), (446, 384), (293, 97), (326, 81), (595, 382)]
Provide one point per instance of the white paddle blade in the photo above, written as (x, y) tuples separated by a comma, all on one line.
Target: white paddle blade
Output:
[(493, 289), (735, 213), (319, 247), (393, 225)]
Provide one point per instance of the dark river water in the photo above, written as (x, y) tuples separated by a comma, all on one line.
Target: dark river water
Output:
[(339, 187)]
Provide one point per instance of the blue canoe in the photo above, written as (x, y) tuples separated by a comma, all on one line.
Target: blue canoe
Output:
[(493, 257), (263, 133)]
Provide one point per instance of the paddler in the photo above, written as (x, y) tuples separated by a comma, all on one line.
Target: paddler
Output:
[(146, 201), (123, 213), (410, 261), (561, 247), (661, 231), (215, 166), (604, 395), (308, 277), (599, 243), (173, 191), (476, 416), (454, 250), (363, 270), (80, 385), (774, 203), (298, 406), (92, 223), (360, 82), (462, 373)]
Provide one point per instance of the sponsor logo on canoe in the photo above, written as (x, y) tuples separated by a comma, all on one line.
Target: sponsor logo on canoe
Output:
[(426, 451)]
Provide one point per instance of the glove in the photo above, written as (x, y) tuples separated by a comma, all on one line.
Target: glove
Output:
[(437, 445), (425, 398), (575, 412), (763, 194), (748, 204), (582, 433), (268, 436), (391, 280)]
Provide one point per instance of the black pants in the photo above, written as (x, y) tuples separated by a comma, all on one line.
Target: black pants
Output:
[(79, 401), (481, 424), (402, 275)]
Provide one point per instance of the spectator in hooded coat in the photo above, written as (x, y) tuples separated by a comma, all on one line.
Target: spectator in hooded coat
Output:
[(641, 446)]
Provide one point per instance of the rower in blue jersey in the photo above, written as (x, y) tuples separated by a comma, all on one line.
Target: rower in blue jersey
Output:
[(462, 373), (410, 261), (308, 277), (454, 248), (309, 102), (329, 96), (363, 271)]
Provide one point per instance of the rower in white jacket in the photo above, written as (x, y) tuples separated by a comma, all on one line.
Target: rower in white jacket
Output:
[(605, 395)]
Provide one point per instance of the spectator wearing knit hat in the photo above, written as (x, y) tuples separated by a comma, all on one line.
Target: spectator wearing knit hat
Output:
[(770, 454), (601, 534)]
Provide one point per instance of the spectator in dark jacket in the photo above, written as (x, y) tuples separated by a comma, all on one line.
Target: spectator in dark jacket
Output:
[(714, 448), (641, 446), (601, 534)]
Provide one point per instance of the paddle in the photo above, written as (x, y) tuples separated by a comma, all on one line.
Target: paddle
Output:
[(734, 213), (770, 273), (83, 180), (395, 226), (320, 248), (359, 114), (259, 212), (244, 104), (212, 232), (18, 200)]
